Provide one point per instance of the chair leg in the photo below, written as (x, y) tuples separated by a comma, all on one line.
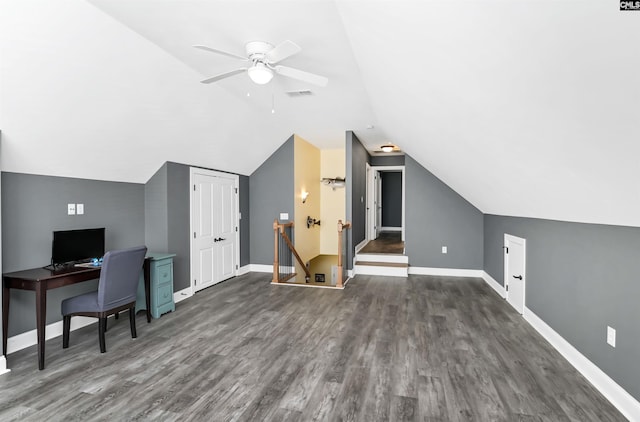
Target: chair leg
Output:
[(117, 314), (132, 321), (102, 327), (66, 327)]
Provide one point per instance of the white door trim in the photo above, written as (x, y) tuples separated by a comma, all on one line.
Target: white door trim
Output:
[(236, 178), (507, 240), (371, 185)]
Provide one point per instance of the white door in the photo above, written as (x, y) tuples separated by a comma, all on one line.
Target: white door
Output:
[(514, 271), (214, 227), (371, 204)]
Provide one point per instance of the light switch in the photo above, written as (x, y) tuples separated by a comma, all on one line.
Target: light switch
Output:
[(71, 209), (284, 216), (79, 209), (444, 249)]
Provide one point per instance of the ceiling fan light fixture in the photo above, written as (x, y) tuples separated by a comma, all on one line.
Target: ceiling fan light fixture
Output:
[(260, 73)]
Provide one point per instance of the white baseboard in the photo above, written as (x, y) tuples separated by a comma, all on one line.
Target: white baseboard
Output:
[(3, 365), (494, 285), (453, 272), (361, 245), (183, 294), (28, 339), (244, 270), (617, 395), (260, 268), (390, 229), (350, 273)]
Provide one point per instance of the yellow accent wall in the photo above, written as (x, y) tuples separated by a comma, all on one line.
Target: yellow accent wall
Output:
[(307, 179), (332, 207)]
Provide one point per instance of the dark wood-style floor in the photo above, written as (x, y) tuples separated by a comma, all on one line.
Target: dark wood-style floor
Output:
[(387, 243), (422, 348)]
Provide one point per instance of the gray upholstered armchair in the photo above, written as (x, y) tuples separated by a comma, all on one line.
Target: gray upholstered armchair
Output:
[(116, 292)]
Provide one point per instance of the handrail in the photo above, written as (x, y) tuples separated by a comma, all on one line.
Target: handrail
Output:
[(279, 231), (341, 227)]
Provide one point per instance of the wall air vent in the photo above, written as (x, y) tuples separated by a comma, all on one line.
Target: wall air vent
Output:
[(303, 93)]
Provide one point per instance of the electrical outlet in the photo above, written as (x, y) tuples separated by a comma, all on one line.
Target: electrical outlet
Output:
[(79, 209), (71, 209), (611, 336), (444, 249)]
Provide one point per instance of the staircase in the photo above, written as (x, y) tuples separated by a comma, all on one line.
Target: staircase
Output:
[(394, 265)]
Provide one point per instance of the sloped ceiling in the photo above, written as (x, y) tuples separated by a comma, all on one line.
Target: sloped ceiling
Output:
[(525, 108)]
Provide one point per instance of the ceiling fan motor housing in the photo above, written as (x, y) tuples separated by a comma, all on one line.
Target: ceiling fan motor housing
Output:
[(257, 50)]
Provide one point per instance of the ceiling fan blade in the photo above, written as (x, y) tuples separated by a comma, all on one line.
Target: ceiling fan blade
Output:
[(223, 75), (224, 53), (282, 51), (301, 75)]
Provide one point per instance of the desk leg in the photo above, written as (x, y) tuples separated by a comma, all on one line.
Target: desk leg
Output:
[(147, 287), (41, 316), (5, 317)]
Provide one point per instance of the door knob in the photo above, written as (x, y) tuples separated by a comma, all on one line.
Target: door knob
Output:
[(519, 277)]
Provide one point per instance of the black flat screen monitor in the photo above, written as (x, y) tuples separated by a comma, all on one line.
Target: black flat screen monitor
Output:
[(77, 245)]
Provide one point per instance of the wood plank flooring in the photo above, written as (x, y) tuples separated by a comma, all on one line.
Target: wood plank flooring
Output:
[(400, 349)]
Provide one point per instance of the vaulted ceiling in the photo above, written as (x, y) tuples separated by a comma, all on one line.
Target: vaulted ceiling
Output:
[(525, 108)]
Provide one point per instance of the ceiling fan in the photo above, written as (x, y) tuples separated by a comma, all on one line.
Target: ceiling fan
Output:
[(263, 60)]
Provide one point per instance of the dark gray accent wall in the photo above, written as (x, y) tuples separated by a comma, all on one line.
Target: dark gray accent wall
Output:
[(580, 278), (178, 218), (357, 158), (271, 189), (386, 160), (245, 219), (437, 216), (155, 212), (34, 206), (391, 198)]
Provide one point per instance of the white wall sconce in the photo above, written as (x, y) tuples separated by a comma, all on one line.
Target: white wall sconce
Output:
[(304, 196)]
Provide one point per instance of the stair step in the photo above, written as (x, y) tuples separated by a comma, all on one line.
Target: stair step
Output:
[(383, 264), (382, 258)]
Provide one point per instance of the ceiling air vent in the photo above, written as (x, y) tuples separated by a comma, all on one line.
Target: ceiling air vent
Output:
[(304, 93)]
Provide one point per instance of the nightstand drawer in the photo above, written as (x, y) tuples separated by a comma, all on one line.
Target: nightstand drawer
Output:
[(165, 272), (164, 294)]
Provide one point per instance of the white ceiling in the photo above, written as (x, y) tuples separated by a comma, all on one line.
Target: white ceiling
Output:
[(525, 108)]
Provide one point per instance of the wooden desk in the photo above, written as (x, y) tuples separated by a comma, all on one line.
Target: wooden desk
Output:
[(40, 280)]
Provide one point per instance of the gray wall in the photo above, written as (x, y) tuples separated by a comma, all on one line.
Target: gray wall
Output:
[(271, 189), (437, 216), (387, 160), (178, 217), (580, 278), (245, 221), (34, 206), (357, 158), (155, 212), (391, 198)]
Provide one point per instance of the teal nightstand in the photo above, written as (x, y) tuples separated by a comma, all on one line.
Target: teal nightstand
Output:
[(161, 285)]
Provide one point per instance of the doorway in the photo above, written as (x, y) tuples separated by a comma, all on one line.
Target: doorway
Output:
[(385, 201), (215, 242), (515, 271)]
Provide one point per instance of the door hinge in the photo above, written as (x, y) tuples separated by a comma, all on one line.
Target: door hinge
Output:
[(236, 190), (236, 267), (236, 229), (194, 235), (194, 188), (507, 287), (506, 249)]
